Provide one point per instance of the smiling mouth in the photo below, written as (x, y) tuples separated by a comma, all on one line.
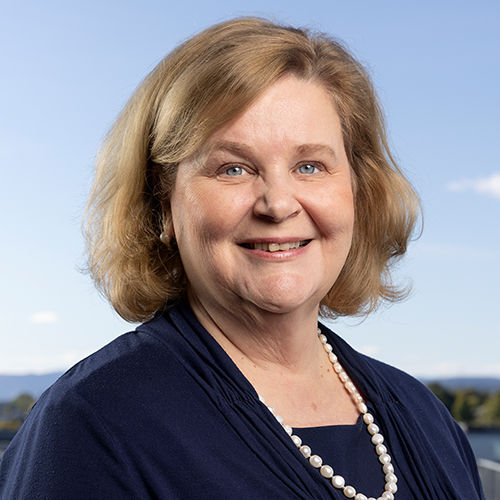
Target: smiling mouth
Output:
[(275, 247)]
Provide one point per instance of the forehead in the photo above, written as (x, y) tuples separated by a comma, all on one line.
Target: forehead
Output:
[(291, 111)]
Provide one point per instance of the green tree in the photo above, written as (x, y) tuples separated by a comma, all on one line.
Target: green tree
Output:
[(22, 403), (466, 405), (489, 413)]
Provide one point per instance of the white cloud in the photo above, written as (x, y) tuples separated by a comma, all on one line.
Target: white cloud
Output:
[(44, 318), (483, 185)]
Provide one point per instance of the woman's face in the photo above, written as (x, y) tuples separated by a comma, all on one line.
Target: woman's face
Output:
[(263, 216)]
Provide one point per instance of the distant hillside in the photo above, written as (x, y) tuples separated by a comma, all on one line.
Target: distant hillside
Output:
[(13, 385), (460, 383)]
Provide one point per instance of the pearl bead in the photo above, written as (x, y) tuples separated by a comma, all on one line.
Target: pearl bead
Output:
[(349, 492), (337, 367), (332, 358), (377, 439), (388, 468), (316, 461), (391, 478), (354, 396), (368, 418), (338, 482), (326, 471), (392, 487), (327, 347), (350, 386)]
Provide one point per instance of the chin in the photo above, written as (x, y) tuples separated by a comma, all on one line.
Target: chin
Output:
[(283, 302)]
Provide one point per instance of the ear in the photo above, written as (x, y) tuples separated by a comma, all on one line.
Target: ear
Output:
[(167, 236)]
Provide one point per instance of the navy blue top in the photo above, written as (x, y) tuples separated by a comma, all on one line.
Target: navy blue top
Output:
[(164, 413)]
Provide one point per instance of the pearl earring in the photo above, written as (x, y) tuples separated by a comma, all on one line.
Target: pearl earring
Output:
[(164, 238)]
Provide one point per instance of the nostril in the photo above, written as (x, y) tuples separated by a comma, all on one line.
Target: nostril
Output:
[(276, 201), (276, 217)]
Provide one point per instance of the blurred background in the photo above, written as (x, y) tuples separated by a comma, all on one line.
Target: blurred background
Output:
[(69, 67)]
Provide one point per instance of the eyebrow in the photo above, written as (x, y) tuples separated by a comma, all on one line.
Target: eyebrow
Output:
[(316, 148), (245, 151)]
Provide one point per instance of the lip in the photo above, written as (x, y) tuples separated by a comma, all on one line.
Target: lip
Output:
[(275, 256), (273, 240)]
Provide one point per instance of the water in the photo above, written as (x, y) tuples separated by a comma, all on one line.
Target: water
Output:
[(485, 443)]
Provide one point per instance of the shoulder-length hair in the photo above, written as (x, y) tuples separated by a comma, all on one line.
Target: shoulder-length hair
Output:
[(199, 87)]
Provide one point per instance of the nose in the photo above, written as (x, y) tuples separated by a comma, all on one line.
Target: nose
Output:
[(276, 199)]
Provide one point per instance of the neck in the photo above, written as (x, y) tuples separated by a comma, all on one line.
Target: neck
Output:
[(263, 340), (282, 358)]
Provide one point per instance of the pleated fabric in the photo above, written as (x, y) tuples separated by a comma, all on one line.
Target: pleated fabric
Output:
[(164, 413)]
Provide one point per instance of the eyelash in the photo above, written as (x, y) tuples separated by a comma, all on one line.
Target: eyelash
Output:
[(233, 167), (309, 164), (226, 168)]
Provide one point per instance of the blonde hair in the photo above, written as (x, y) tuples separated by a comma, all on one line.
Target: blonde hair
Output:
[(197, 88)]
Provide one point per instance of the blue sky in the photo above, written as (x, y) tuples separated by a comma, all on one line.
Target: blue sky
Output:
[(69, 67)]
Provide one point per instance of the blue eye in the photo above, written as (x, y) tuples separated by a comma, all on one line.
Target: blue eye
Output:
[(233, 171), (308, 168)]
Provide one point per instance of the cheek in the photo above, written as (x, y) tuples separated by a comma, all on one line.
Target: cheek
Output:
[(206, 216), (334, 212)]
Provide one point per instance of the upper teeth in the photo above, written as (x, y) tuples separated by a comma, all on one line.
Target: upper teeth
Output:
[(275, 247)]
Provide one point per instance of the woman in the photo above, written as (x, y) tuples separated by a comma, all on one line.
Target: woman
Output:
[(246, 188)]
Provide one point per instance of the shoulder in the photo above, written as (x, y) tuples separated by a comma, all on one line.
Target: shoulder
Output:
[(377, 378), (112, 390), (399, 387), (384, 384), (412, 403), (117, 378), (83, 430), (103, 386), (408, 386), (410, 392), (142, 373)]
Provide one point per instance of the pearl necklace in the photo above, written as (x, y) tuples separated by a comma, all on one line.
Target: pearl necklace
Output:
[(377, 439)]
